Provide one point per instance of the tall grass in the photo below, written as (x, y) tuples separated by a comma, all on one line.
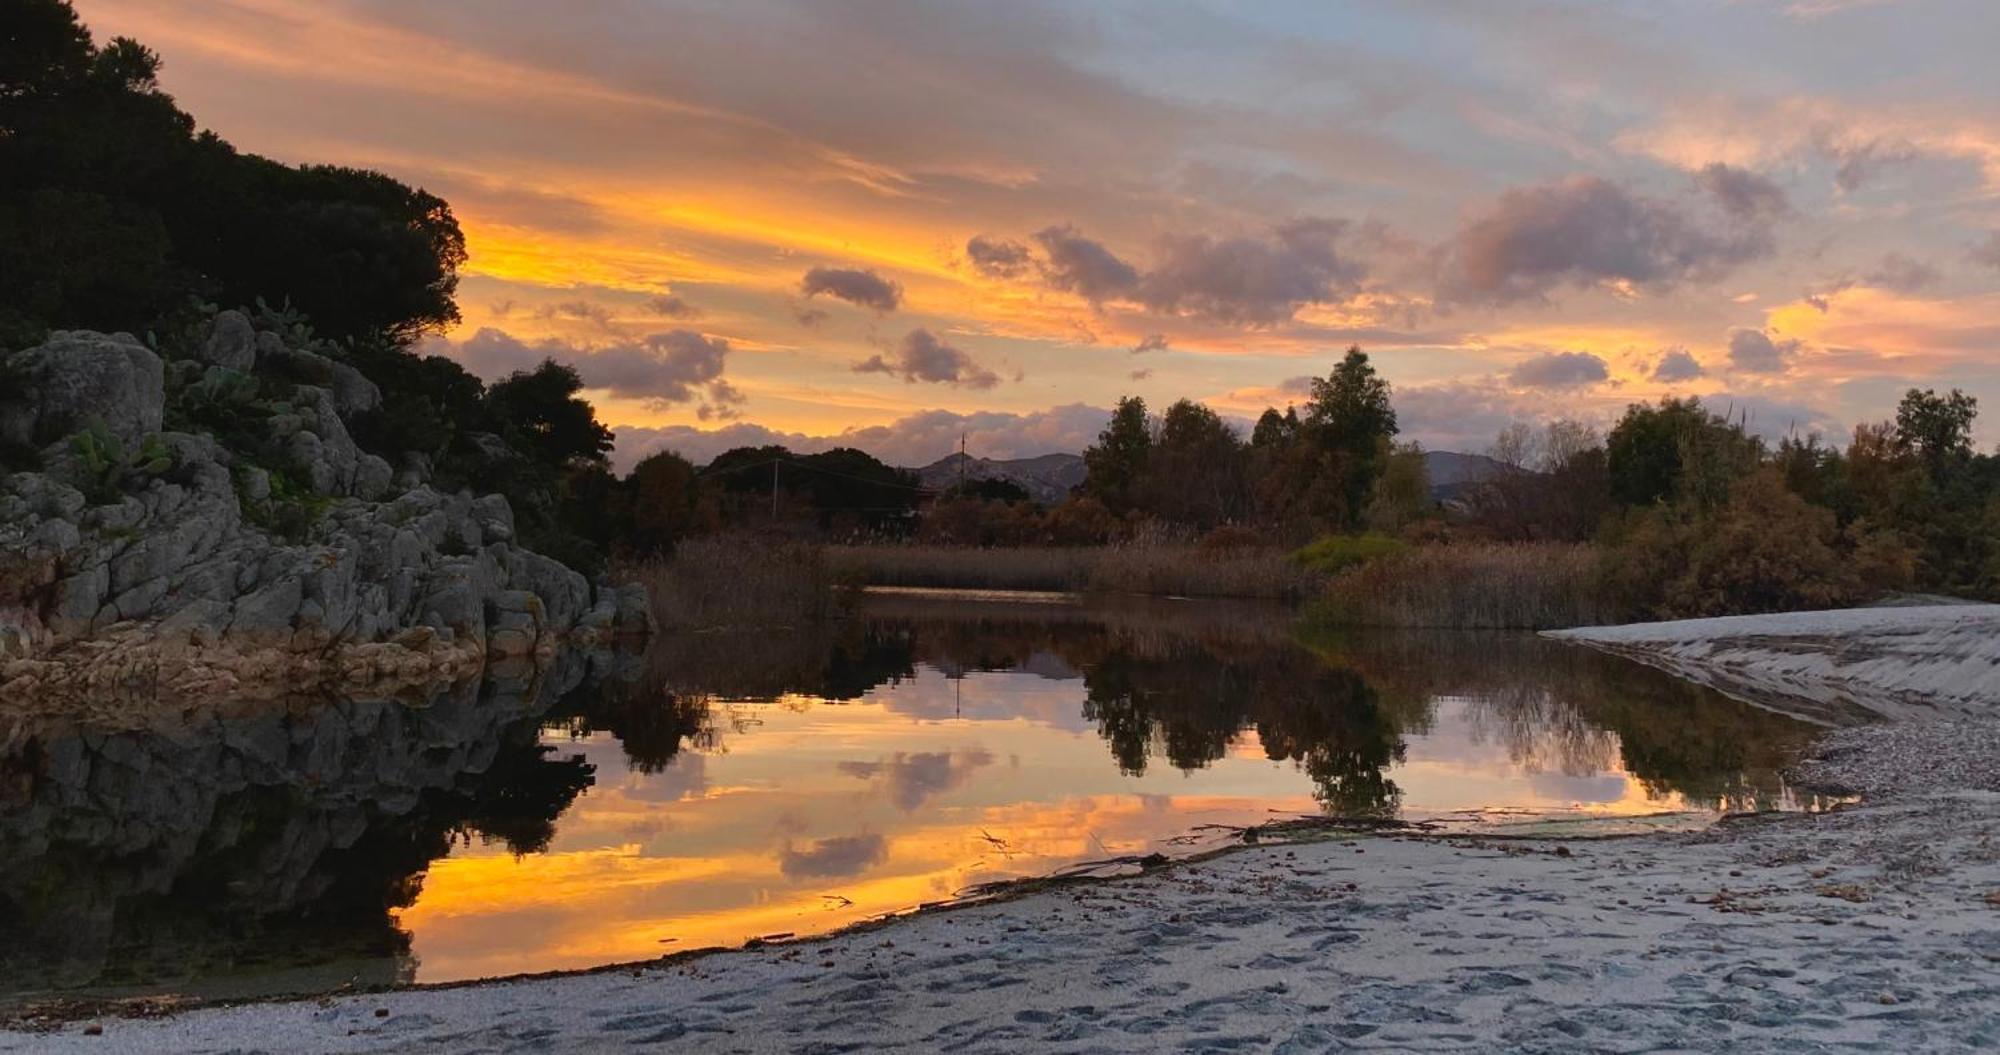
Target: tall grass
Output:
[(1525, 586), (1178, 569), (737, 582)]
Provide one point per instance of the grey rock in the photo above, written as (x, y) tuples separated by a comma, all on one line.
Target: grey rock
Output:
[(371, 477), (232, 344), (77, 376), (353, 393), (266, 614)]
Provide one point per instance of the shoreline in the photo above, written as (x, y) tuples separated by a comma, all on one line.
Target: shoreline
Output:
[(1870, 925)]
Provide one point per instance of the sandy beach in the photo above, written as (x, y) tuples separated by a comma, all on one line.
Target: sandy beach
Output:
[(1874, 927)]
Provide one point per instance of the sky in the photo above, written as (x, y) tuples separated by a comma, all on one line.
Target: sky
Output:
[(891, 224)]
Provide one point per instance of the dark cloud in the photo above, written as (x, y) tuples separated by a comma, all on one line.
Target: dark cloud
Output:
[(920, 356), (678, 366), (1152, 342), (1086, 268), (1988, 252), (1854, 164), (1140, 374), (1583, 231), (1248, 280), (1742, 193), (1677, 364), (1895, 272), (835, 858), (669, 306), (1297, 386), (853, 285), (998, 257), (1754, 352), (1902, 274), (917, 439), (914, 779), (1234, 281), (1560, 370)]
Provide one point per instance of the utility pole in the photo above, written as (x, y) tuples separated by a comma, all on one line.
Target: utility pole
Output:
[(961, 463)]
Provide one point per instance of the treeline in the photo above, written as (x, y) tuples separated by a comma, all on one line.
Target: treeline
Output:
[(1696, 516), (1187, 472)]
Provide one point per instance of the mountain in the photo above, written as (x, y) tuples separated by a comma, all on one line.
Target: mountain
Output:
[(1454, 475), (1047, 479)]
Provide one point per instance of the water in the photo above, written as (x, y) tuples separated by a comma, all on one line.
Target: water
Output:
[(726, 787)]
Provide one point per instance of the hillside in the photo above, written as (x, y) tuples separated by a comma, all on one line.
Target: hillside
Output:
[(1047, 479)]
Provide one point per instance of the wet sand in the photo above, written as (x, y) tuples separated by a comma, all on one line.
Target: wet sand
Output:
[(1870, 928)]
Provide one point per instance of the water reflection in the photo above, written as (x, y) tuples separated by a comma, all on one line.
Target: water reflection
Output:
[(729, 786)]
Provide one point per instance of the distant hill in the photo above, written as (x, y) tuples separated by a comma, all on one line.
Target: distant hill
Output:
[(1454, 475), (1047, 479)]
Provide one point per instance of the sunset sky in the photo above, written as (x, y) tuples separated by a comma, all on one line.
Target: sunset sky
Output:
[(887, 223)]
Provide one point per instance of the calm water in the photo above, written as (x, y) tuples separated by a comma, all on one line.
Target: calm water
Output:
[(734, 786)]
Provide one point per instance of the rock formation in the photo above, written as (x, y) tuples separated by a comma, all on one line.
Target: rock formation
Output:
[(137, 552)]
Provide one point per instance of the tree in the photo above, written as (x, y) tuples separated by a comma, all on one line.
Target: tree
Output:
[(114, 212), (1193, 474), (1116, 462), (1938, 428), (1403, 494), (1274, 429), (659, 503), (1677, 451), (541, 412), (1350, 418)]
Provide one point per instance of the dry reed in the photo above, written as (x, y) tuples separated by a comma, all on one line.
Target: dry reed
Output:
[(1163, 569), (1525, 586), (737, 582)]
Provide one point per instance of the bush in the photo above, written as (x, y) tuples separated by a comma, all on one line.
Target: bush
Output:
[(1337, 553), (1765, 550)]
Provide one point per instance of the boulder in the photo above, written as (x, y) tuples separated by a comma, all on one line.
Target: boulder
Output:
[(77, 377), (232, 344)]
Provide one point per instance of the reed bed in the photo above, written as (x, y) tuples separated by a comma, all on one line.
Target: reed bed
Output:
[(737, 582), (1524, 586), (1183, 570)]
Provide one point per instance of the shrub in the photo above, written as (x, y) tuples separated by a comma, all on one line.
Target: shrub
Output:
[(1765, 550), (1337, 553)]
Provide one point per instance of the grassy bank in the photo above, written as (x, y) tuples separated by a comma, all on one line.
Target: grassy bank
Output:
[(1165, 569), (1521, 586)]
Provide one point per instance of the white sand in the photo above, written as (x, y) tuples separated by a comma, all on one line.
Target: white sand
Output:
[(1870, 929), (1898, 663)]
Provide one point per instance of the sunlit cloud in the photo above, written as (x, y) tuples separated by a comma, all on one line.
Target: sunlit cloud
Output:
[(1028, 190)]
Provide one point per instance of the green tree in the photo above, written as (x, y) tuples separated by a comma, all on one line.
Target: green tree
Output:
[(1676, 450), (1117, 461), (1350, 418), (1193, 474), (114, 211), (541, 412), (659, 503), (1938, 428)]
